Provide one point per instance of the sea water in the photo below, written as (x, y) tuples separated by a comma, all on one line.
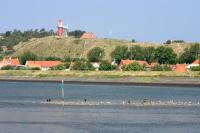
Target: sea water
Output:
[(109, 108)]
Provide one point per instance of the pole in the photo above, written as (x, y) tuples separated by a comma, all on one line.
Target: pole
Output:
[(63, 93)]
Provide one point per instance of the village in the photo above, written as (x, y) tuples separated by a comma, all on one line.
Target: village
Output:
[(123, 64), (15, 64)]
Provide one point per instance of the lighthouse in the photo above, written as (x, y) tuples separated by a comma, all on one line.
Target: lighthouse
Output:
[(60, 28)]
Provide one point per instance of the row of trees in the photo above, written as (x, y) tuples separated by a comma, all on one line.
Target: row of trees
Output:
[(11, 38), (162, 54)]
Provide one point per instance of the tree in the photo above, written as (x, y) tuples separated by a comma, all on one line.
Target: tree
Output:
[(190, 54), (186, 57), (165, 55), (133, 41), (168, 42), (195, 50), (178, 41), (8, 33), (133, 67), (82, 66), (119, 53), (149, 54), (1, 57), (27, 55), (105, 66), (76, 33), (96, 54), (136, 52), (1, 49)]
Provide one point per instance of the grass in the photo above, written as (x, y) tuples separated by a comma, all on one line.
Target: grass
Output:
[(52, 46), (95, 74)]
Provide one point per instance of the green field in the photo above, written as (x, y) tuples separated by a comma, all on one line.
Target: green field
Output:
[(96, 74)]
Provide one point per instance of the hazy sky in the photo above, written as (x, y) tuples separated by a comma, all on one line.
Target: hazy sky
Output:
[(143, 20)]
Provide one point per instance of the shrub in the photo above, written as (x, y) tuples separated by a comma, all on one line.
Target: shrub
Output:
[(157, 68), (67, 65), (195, 68), (82, 66), (59, 67), (53, 58), (77, 41), (105, 66), (167, 68), (21, 68), (67, 59), (7, 68), (34, 68), (96, 54), (161, 68), (133, 67)]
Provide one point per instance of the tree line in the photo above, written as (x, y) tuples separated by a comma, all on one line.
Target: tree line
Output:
[(161, 54)]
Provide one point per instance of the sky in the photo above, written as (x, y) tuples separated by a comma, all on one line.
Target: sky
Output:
[(142, 20)]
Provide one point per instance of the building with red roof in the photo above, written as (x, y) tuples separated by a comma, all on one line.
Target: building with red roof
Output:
[(9, 61), (43, 65), (141, 62), (88, 35), (181, 68), (195, 63)]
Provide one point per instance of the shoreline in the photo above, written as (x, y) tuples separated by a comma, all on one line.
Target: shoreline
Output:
[(189, 83), (187, 79)]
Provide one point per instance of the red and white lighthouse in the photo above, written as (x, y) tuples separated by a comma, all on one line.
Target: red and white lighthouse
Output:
[(60, 28)]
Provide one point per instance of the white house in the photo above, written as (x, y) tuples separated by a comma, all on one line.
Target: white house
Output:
[(195, 63), (95, 65)]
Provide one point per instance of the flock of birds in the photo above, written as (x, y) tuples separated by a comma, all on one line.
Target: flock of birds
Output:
[(144, 102)]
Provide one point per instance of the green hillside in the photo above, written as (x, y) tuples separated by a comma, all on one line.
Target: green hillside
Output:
[(73, 47)]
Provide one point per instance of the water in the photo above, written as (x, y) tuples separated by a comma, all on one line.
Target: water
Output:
[(22, 109)]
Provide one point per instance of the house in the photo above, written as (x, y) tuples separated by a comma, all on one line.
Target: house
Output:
[(180, 68), (43, 65), (95, 65), (141, 62), (88, 35), (195, 63), (9, 61)]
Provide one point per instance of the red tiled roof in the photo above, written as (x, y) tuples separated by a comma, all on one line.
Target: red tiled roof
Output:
[(196, 62), (15, 62), (43, 63), (88, 36), (10, 61), (126, 62), (181, 68), (141, 62)]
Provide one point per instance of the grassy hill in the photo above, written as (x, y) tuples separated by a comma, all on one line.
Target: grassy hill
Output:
[(73, 47)]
